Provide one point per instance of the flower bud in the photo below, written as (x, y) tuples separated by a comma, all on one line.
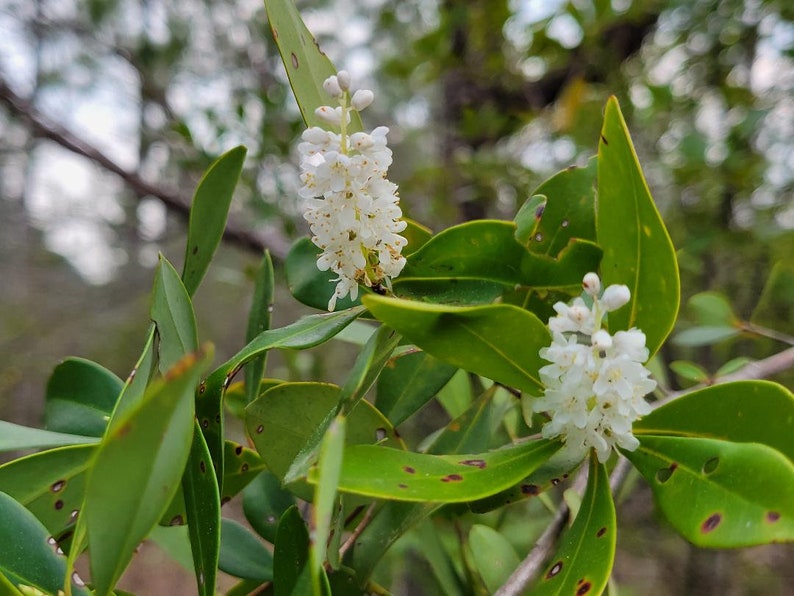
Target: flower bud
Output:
[(601, 340), (332, 87), (615, 296), (591, 284), (315, 135), (361, 99), (361, 141), (328, 114), (343, 78)]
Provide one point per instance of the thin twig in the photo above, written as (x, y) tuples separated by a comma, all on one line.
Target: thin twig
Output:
[(532, 564), (357, 531), (42, 127)]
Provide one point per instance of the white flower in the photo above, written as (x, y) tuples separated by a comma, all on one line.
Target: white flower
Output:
[(357, 222), (594, 388)]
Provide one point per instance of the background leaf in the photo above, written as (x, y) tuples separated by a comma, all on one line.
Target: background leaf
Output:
[(500, 342), (386, 473), (637, 248), (291, 555), (493, 555), (242, 555), (259, 321), (14, 437), (583, 561), (264, 502), (208, 214), (719, 494), (306, 283), (28, 552)]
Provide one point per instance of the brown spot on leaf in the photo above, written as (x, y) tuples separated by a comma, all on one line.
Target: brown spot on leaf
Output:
[(202, 387), (177, 520), (380, 434), (604, 139), (275, 32), (539, 211), (205, 423), (454, 427), (555, 481), (772, 516), (238, 450), (259, 429), (58, 504), (477, 463), (711, 465), (601, 532), (58, 486), (294, 60), (452, 478), (711, 523), (555, 569), (195, 250), (202, 466), (584, 588), (409, 470), (530, 489), (401, 485), (664, 474), (244, 468)]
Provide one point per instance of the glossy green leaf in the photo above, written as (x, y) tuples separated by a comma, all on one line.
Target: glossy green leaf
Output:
[(386, 473), (745, 411), (704, 336), (468, 433), (203, 512), (743, 490), (137, 469), (172, 313), (208, 214), (80, 397), (259, 321), (690, 371), (637, 248), (408, 382), (15, 437), (264, 502), (329, 466), (242, 554), (306, 64), (281, 421), (7, 588), (304, 333), (567, 211), (416, 234), (712, 309), (138, 379), (583, 561), (306, 283), (426, 539), (453, 291), (500, 342), (775, 306), (291, 556), (50, 484), (494, 557), (732, 366), (28, 554), (242, 466)]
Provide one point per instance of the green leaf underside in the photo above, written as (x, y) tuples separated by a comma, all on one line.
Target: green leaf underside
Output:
[(28, 553), (80, 398), (719, 494), (137, 469), (704, 336), (306, 64), (242, 555), (567, 211), (637, 248), (208, 214), (493, 554), (583, 561), (14, 437), (744, 411), (381, 472), (500, 341)]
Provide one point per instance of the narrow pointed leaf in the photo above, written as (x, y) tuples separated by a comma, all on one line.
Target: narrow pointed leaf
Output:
[(15, 437), (259, 321), (744, 490), (80, 397), (172, 313), (744, 411), (291, 555), (381, 472), (28, 554), (637, 248), (137, 469), (500, 342), (583, 562), (493, 555), (208, 214)]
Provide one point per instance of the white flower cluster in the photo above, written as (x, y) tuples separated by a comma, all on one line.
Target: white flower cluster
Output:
[(357, 222), (596, 382)]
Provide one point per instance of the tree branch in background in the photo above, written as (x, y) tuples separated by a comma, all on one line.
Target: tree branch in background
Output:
[(42, 127), (533, 563)]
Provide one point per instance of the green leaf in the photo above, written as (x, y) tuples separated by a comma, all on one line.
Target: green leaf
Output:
[(306, 283), (208, 215), (138, 380), (745, 411), (137, 469), (242, 465), (264, 502), (719, 494), (774, 308), (408, 382), (690, 371), (15, 437), (242, 555), (470, 432), (259, 321), (172, 313), (281, 421), (28, 554), (416, 234), (291, 556), (386, 473), (637, 248), (50, 484), (566, 212), (80, 398), (500, 342), (494, 556), (203, 512), (712, 309), (704, 336), (732, 366), (307, 65), (329, 466), (583, 561)]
